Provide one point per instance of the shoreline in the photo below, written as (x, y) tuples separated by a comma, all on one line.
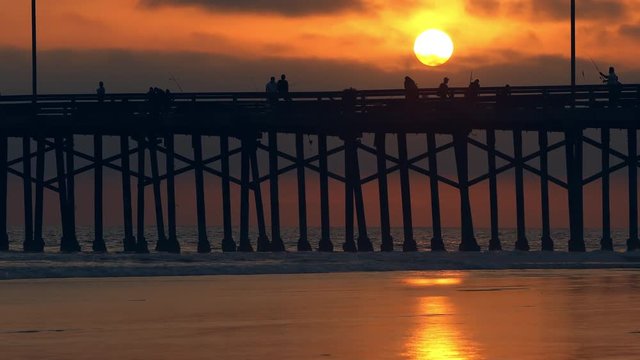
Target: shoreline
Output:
[(18, 265)]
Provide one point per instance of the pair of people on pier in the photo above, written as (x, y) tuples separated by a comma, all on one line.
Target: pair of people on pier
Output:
[(276, 90)]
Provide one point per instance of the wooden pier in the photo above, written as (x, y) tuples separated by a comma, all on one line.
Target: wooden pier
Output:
[(146, 128)]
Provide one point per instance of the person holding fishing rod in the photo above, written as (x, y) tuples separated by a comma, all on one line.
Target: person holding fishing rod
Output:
[(613, 83)]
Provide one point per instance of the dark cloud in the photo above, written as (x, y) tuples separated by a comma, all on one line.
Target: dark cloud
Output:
[(549, 10), (282, 7), (632, 31)]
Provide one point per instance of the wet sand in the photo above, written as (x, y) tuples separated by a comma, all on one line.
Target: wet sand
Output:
[(507, 314), (17, 265)]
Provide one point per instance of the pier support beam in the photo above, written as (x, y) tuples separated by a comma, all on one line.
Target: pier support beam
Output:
[(263, 239), (129, 241), (383, 190), (437, 244), (546, 240), (276, 240), (606, 243), (62, 189), (325, 234), (27, 244), (203, 243), (228, 244), (409, 243), (38, 241), (522, 243), (303, 240), (172, 244), (98, 240), (141, 245), (574, 176), (69, 242), (633, 243), (161, 244), (4, 237), (349, 244), (494, 242), (461, 148), (364, 243), (245, 244)]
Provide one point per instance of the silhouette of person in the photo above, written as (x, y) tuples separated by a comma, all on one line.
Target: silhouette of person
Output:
[(283, 87), (613, 83), (272, 90), (349, 97), (473, 90), (443, 89), (101, 91), (411, 89)]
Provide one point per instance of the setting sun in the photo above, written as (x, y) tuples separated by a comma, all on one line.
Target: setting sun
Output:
[(433, 47)]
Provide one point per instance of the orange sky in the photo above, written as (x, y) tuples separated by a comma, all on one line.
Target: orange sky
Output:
[(500, 40)]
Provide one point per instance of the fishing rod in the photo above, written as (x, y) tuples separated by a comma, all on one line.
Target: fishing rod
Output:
[(597, 68), (173, 78)]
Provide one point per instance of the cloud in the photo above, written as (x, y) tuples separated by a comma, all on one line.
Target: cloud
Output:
[(549, 10), (632, 31), (282, 7)]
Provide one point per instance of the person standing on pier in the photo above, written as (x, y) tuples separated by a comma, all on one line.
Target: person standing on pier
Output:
[(272, 91), (411, 89), (474, 90), (101, 91), (443, 90), (614, 84), (283, 87)]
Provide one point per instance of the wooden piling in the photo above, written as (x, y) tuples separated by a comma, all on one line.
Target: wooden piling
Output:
[(606, 243), (363, 242), (409, 243), (142, 246), (129, 241), (494, 242), (546, 240), (263, 240), (27, 244), (522, 243), (172, 244), (437, 244), (4, 149), (276, 239), (325, 243), (573, 150), (633, 243), (98, 239), (245, 244), (62, 190), (228, 244), (383, 191), (161, 244), (38, 241), (303, 240), (72, 244), (468, 241), (349, 244), (203, 242)]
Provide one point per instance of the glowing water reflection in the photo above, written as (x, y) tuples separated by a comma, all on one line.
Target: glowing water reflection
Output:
[(438, 334)]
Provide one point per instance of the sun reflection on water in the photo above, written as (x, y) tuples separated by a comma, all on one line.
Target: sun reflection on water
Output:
[(438, 335)]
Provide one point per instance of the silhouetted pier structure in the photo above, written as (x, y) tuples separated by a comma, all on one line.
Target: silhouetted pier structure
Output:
[(54, 121)]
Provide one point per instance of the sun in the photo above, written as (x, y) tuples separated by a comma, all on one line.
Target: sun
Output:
[(433, 47)]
